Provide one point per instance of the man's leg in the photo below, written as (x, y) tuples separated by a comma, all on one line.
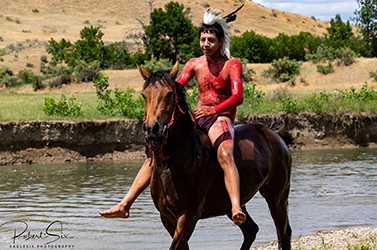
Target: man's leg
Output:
[(140, 183), (221, 134)]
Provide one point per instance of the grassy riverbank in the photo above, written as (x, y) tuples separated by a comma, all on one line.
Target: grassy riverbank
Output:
[(348, 89), (28, 106)]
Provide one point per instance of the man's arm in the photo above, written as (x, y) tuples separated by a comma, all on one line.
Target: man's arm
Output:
[(187, 73)]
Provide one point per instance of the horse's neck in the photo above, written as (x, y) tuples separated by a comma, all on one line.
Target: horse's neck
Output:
[(180, 142)]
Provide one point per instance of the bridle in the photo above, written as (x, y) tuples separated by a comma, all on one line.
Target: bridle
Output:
[(167, 128)]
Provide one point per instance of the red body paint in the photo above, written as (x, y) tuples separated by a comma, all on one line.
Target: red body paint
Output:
[(219, 84)]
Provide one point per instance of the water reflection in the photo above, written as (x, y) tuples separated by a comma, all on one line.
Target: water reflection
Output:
[(330, 189)]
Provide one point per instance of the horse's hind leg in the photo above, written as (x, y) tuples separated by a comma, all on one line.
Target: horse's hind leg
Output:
[(249, 230), (278, 205)]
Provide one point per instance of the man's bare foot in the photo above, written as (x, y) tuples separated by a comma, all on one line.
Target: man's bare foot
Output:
[(238, 218), (117, 211)]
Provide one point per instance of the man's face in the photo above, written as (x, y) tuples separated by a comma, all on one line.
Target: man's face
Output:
[(210, 44)]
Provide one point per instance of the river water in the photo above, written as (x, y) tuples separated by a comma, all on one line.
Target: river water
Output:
[(56, 206)]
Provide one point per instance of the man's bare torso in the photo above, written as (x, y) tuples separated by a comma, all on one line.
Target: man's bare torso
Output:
[(219, 83)]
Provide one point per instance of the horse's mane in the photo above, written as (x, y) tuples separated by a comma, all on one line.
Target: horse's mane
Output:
[(163, 78)]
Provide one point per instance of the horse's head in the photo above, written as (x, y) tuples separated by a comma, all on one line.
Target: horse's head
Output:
[(159, 93)]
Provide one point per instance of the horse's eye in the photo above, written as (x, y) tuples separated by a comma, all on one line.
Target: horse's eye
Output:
[(143, 96), (169, 95)]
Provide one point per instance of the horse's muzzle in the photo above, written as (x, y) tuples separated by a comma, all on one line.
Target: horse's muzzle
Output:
[(156, 134)]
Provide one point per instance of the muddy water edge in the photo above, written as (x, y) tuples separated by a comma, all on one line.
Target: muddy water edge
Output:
[(59, 141)]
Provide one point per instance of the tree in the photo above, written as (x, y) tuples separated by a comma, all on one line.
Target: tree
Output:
[(340, 36), (88, 49), (169, 31), (366, 18), (253, 47), (296, 46), (59, 50), (340, 33), (91, 48)]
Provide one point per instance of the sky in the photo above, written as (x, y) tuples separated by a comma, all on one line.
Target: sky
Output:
[(323, 10)]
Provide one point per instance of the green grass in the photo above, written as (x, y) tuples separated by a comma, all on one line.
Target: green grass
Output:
[(282, 100), (20, 107)]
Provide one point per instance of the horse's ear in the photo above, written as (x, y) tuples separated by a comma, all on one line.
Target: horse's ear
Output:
[(145, 74), (174, 72)]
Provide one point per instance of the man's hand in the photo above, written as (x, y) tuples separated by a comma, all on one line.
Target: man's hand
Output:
[(203, 112)]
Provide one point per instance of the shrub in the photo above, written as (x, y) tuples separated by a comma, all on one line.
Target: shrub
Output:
[(37, 82), (373, 74), (247, 73), (119, 103), (323, 53), (279, 93), (317, 103), (192, 97), (283, 70), (325, 69), (59, 76), (10, 81), (154, 65), (289, 105), (365, 94), (63, 107), (251, 94), (7, 78), (86, 72), (44, 58), (28, 77), (345, 56), (206, 5), (5, 71), (42, 67)]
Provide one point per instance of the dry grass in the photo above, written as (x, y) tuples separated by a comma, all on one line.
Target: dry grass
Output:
[(64, 19), (60, 19)]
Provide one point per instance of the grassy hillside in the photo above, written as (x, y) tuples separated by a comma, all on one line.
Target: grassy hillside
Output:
[(117, 18), (31, 23)]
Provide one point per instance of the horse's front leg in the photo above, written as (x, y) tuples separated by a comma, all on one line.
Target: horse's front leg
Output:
[(185, 226)]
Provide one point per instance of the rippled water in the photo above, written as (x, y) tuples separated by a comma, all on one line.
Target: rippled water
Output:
[(330, 189)]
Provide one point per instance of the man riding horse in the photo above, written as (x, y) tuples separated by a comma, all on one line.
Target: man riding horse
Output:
[(220, 91)]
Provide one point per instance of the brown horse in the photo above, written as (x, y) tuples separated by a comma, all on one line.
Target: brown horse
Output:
[(187, 182)]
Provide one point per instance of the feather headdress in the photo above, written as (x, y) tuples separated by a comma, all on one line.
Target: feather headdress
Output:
[(212, 16)]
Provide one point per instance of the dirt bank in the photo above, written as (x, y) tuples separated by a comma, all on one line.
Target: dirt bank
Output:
[(38, 142)]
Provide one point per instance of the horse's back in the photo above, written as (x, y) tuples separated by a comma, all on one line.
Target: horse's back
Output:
[(260, 154), (251, 137)]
